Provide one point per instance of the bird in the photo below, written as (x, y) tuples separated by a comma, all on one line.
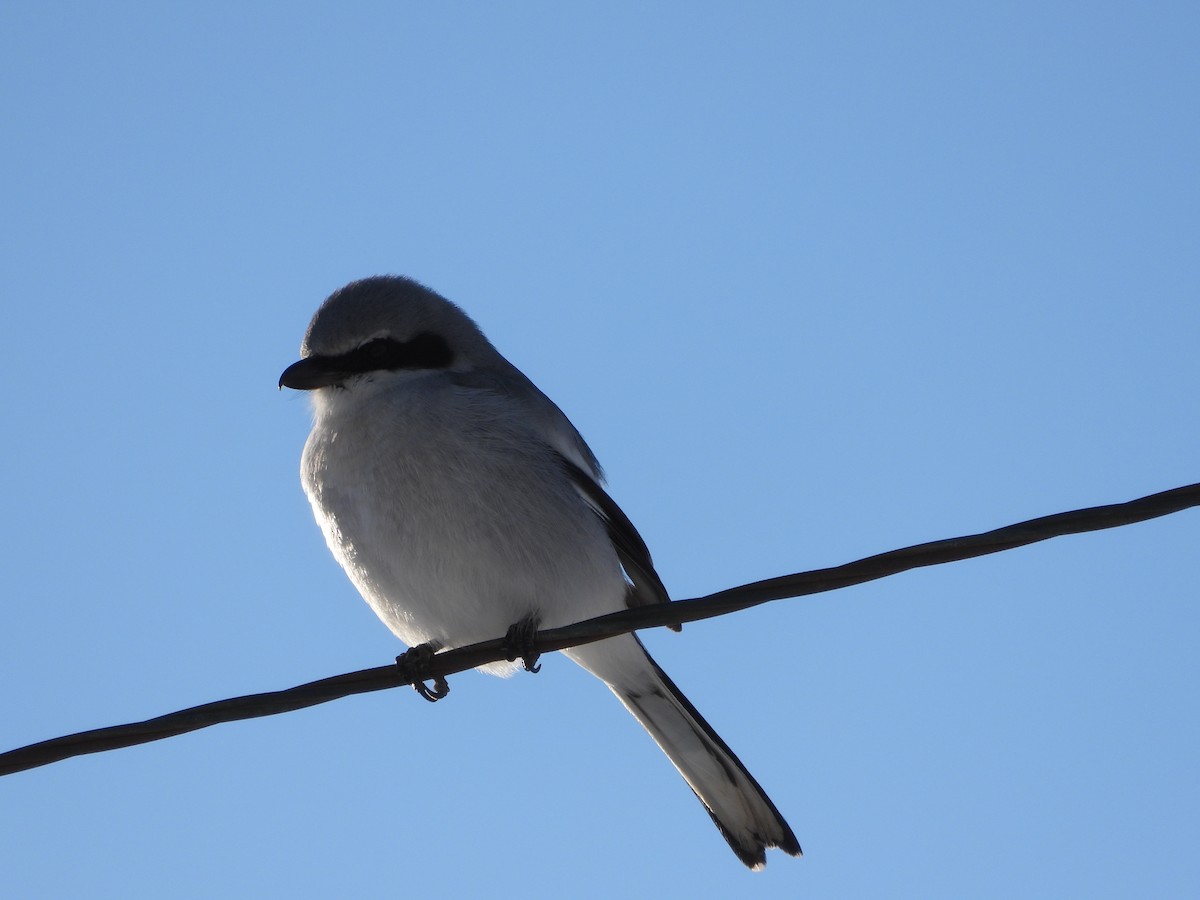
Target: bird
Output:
[(464, 506)]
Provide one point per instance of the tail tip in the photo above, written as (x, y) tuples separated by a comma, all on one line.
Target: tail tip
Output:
[(754, 854)]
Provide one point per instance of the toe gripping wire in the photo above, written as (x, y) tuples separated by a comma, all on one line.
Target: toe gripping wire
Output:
[(413, 663), (518, 644)]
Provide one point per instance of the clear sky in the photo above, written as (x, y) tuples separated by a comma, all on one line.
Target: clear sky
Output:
[(815, 280)]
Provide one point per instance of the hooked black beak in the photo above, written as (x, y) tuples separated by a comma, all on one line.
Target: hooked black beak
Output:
[(311, 373)]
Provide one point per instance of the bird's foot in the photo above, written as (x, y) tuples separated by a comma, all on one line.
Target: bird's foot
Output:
[(518, 644), (414, 665)]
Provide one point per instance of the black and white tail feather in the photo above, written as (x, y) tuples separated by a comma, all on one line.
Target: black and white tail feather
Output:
[(741, 809)]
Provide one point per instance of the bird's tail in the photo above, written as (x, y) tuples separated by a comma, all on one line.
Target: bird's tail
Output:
[(745, 815)]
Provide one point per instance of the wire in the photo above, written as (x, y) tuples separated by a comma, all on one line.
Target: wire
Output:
[(721, 603)]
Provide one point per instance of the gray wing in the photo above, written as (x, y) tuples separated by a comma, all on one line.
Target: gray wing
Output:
[(584, 472), (646, 587)]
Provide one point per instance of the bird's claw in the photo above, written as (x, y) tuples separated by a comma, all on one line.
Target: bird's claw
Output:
[(518, 644), (413, 665)]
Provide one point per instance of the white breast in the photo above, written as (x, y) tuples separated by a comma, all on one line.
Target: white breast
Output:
[(450, 516)]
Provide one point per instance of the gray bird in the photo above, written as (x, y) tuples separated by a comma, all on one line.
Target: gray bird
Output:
[(464, 506)]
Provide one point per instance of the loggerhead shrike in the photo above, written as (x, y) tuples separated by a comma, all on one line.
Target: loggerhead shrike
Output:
[(464, 505)]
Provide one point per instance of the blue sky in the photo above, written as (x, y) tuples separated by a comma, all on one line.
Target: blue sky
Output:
[(815, 281)]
